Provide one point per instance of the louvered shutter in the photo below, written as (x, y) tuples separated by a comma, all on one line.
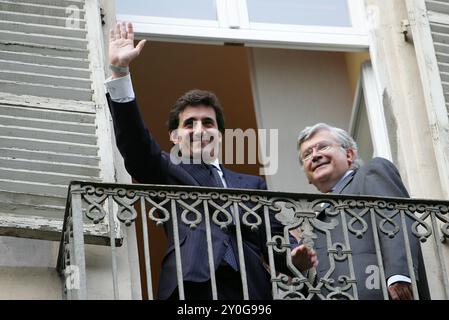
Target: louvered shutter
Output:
[(48, 121)]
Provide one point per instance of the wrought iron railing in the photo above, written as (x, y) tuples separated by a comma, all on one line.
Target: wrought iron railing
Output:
[(359, 218)]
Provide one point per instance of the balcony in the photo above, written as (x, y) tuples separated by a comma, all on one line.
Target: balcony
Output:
[(413, 221)]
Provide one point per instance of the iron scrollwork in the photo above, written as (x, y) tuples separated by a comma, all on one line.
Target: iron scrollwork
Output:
[(306, 219)]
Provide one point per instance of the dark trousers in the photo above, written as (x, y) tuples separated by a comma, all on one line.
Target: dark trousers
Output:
[(229, 286)]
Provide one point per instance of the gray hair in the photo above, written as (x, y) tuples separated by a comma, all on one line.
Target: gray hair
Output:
[(343, 138)]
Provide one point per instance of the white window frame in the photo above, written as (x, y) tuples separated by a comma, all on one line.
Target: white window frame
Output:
[(367, 87), (355, 13), (233, 26), (178, 22)]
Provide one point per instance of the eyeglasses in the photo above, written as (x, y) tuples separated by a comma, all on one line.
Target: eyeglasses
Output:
[(319, 147)]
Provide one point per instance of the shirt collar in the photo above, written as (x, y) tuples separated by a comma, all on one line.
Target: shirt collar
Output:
[(216, 164)]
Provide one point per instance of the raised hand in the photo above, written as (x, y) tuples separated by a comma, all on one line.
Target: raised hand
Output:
[(121, 46)]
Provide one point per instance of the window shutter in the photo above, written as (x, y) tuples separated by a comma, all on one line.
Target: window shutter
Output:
[(429, 21), (49, 122)]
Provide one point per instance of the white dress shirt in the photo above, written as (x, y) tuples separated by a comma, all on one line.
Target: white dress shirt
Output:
[(120, 89)]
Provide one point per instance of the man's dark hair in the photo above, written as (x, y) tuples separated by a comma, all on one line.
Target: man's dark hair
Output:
[(196, 98)]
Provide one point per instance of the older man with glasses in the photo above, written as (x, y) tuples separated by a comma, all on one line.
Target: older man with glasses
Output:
[(329, 158)]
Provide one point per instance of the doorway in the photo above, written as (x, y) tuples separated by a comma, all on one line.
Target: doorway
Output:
[(265, 88)]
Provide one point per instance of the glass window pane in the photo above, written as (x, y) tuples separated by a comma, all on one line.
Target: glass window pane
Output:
[(362, 135), (184, 9), (300, 12)]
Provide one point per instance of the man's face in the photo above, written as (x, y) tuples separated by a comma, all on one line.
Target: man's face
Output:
[(197, 134), (327, 161)]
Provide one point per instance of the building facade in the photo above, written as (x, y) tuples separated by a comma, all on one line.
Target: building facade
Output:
[(377, 68)]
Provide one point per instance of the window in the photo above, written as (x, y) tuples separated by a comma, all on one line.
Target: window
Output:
[(300, 12), (169, 12), (361, 131), (332, 24), (368, 126), (197, 9)]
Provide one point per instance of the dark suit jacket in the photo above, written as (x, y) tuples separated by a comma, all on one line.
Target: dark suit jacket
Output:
[(379, 177), (147, 163)]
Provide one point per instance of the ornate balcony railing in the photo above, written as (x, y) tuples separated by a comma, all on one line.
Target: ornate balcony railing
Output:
[(373, 219)]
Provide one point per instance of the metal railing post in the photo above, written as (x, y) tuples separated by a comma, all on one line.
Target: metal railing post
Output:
[(78, 292)]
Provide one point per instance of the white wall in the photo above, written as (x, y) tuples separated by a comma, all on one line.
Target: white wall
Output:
[(28, 269), (293, 89)]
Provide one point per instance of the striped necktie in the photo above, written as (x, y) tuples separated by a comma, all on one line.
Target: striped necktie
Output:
[(229, 255), (217, 179)]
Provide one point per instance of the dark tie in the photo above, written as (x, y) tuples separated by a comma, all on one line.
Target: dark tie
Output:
[(217, 179), (229, 256)]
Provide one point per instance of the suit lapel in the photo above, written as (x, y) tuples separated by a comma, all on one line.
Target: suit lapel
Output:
[(341, 185), (233, 180), (199, 173), (338, 189), (179, 172)]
